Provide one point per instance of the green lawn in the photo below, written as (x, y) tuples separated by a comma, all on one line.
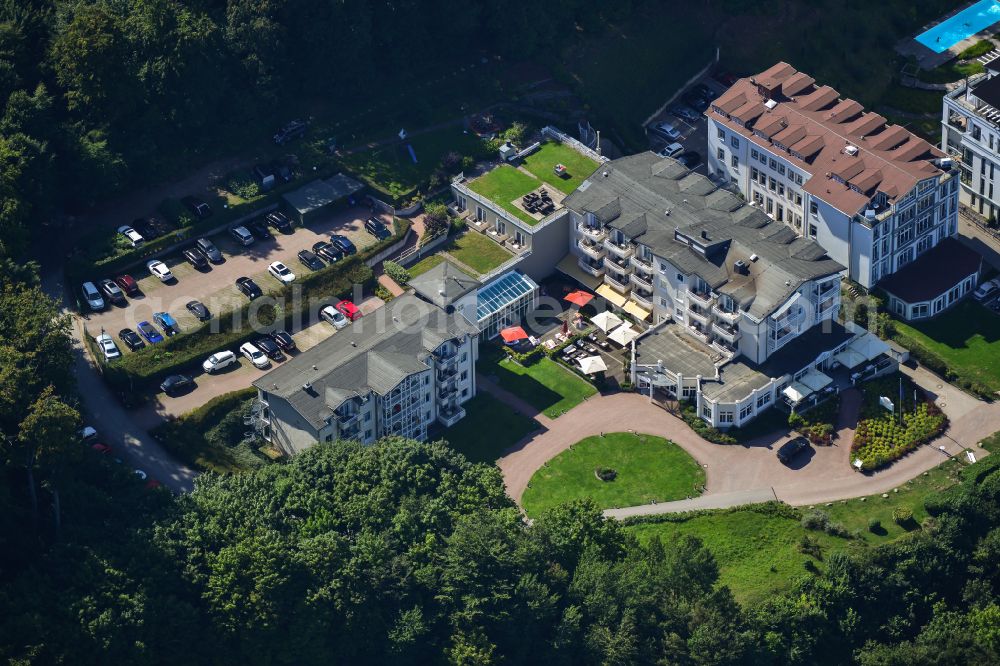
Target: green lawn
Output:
[(546, 385), (648, 469), (991, 443), (967, 338), (425, 265), (503, 185), (488, 429), (477, 252), (541, 163), (758, 552)]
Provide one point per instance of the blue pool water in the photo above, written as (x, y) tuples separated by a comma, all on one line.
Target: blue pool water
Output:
[(967, 22)]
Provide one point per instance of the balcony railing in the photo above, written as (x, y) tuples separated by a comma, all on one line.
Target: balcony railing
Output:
[(596, 234), (645, 265), (347, 420), (590, 269), (618, 286), (450, 417), (618, 264), (699, 316), (643, 300), (703, 298), (624, 251), (722, 315), (445, 374), (594, 250), (644, 281), (701, 334), (729, 333)]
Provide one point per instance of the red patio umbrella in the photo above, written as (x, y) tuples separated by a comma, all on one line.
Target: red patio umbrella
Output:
[(578, 297), (513, 334)]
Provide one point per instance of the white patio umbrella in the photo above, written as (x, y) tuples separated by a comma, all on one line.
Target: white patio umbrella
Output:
[(606, 320), (623, 335), (592, 364)]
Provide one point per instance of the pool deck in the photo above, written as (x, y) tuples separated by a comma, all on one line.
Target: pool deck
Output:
[(928, 59)]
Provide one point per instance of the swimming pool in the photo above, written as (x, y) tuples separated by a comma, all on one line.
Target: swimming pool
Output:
[(962, 25)]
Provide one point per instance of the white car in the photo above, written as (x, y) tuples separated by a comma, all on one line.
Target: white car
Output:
[(671, 150), (280, 271), (255, 355), (986, 289), (334, 316), (131, 235), (93, 297), (88, 434), (108, 347), (160, 270), (218, 361)]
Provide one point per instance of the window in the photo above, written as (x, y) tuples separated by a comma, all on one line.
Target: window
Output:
[(480, 214), (465, 375), (763, 399), (813, 209), (746, 411), (781, 189), (680, 277), (427, 380), (771, 163), (754, 173), (797, 197), (721, 154), (734, 142), (780, 213), (706, 410), (725, 417), (465, 393), (427, 398), (368, 434), (770, 205), (813, 230), (754, 154), (465, 357), (763, 158), (772, 184), (735, 161), (368, 417), (722, 135)]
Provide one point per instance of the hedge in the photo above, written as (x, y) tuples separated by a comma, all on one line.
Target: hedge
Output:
[(705, 431), (774, 508)]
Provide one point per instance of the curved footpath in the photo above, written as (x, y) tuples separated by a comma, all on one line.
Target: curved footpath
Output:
[(748, 473)]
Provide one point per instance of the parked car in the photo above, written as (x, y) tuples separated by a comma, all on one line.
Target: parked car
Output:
[(792, 448), (343, 243), (92, 296), (258, 227), (167, 323), (160, 270), (281, 272), (703, 91), (142, 475), (348, 309), (665, 131), (196, 258), (671, 150), (108, 347), (242, 235), (254, 355), (101, 448), (127, 284), (199, 207), (131, 339), (198, 309), (333, 316), (149, 332), (290, 132), (728, 79), (113, 292), (149, 227), (270, 348), (328, 251), (310, 260), (283, 171), (208, 248), (219, 361), (377, 228), (87, 434), (279, 221), (685, 112), (986, 290), (131, 235), (689, 159), (696, 101), (176, 383), (283, 340), (249, 288)]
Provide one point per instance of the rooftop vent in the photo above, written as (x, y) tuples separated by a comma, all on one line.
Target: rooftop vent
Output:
[(605, 174), (315, 367), (704, 234), (788, 283), (770, 104), (851, 149), (667, 212), (741, 267), (307, 387), (353, 343), (754, 257)]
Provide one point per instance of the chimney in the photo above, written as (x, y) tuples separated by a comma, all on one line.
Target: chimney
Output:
[(704, 234), (307, 387)]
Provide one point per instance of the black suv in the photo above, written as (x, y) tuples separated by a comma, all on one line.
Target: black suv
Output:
[(207, 248), (376, 228), (310, 260), (131, 339), (344, 243), (270, 348), (290, 132), (249, 288), (792, 448), (200, 208), (283, 339), (328, 251), (279, 221), (196, 258), (258, 227)]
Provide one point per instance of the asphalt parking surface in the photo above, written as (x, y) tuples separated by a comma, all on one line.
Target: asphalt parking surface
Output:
[(694, 134)]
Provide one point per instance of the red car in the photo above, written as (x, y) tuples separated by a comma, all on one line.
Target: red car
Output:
[(152, 484), (101, 448), (348, 309), (127, 284)]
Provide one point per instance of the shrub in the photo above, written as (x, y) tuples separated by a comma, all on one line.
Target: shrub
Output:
[(982, 47), (705, 431), (207, 436), (874, 524), (399, 274), (383, 293), (820, 521), (902, 515), (605, 473), (810, 546), (243, 185)]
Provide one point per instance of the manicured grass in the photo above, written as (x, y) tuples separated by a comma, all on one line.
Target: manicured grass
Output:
[(647, 469), (967, 338), (425, 265), (982, 47), (488, 429), (757, 550), (546, 385), (951, 71), (912, 100), (477, 252), (991, 443), (503, 185), (578, 166)]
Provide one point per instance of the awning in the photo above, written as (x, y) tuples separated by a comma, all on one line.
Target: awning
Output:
[(623, 335), (578, 297), (611, 295), (513, 334), (849, 358), (868, 345), (606, 321), (815, 380), (796, 392), (592, 364), (568, 266), (637, 311)]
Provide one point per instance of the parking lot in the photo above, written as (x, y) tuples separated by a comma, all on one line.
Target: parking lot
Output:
[(215, 285), (694, 133)]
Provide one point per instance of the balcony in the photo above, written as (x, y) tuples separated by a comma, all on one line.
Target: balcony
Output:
[(700, 333), (445, 374), (596, 234), (593, 250), (624, 251), (728, 317), (448, 391), (698, 316), (449, 417), (644, 265), (642, 281), (620, 287), (643, 300), (728, 333), (587, 267), (618, 265), (702, 298)]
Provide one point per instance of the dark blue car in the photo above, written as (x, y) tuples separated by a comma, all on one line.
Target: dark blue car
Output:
[(149, 332), (343, 243)]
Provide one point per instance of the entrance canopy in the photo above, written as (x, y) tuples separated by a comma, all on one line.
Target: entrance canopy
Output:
[(592, 364), (815, 380), (868, 345), (578, 297), (849, 358), (796, 392), (513, 334), (637, 311), (606, 321), (610, 295), (623, 335)]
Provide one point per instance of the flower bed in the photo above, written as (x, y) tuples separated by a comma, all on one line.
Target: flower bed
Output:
[(879, 441)]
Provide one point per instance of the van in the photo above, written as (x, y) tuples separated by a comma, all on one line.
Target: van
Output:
[(242, 235), (93, 297)]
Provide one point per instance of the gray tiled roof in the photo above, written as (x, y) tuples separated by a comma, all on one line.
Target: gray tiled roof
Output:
[(664, 197), (375, 353), (444, 284)]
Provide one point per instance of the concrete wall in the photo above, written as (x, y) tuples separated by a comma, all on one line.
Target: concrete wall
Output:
[(289, 432)]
